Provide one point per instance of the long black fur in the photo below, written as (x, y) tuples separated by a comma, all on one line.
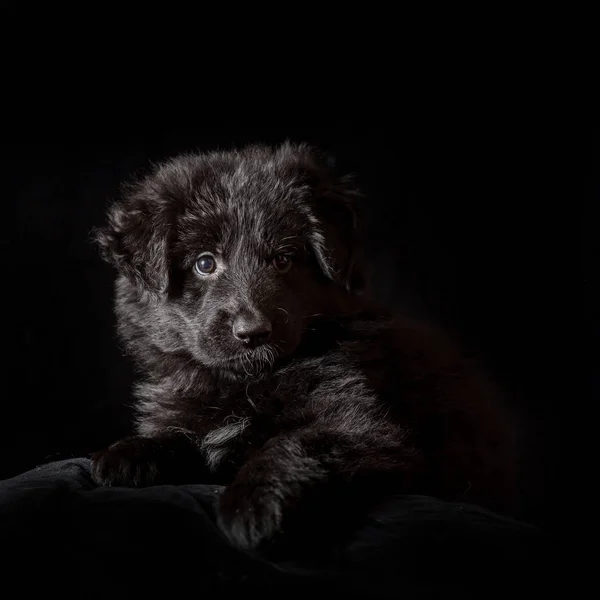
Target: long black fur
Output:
[(342, 400)]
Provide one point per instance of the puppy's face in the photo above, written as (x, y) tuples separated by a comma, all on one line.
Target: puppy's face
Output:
[(228, 257), (243, 283)]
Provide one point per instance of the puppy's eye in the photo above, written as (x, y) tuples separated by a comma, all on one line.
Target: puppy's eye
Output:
[(283, 262), (206, 264)]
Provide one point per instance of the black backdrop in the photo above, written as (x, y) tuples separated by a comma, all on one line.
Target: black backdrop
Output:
[(453, 231)]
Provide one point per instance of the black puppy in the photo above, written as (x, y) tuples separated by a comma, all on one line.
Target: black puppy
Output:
[(241, 296)]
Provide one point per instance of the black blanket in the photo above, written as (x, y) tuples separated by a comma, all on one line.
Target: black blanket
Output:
[(62, 534)]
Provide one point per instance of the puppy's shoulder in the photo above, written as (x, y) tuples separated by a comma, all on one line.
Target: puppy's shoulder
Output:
[(393, 349), (341, 347)]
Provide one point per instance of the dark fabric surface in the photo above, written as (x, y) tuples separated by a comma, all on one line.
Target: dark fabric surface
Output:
[(62, 534)]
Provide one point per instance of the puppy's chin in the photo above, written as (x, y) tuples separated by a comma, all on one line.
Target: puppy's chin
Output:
[(248, 363)]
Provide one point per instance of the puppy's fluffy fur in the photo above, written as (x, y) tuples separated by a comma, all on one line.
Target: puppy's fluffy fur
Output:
[(326, 392)]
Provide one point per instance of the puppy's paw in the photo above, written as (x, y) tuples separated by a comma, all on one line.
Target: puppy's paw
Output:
[(249, 515), (131, 462)]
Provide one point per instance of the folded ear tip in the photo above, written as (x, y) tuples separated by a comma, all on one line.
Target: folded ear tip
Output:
[(357, 282)]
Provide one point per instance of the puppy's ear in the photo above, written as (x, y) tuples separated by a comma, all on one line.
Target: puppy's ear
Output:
[(136, 240), (336, 237), (337, 240)]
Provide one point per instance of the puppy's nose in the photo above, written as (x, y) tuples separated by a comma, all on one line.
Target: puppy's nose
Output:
[(253, 330)]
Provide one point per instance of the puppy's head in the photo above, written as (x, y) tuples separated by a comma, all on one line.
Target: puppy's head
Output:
[(227, 257)]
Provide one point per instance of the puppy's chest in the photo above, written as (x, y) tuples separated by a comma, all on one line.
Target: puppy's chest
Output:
[(226, 440), (247, 418)]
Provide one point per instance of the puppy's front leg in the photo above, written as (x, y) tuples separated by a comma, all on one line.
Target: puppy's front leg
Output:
[(291, 468), (252, 506), (138, 461)]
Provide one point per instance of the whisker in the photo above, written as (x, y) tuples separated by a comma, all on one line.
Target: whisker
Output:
[(244, 365), (285, 311), (250, 399)]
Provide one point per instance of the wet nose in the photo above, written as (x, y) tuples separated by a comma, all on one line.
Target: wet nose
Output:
[(252, 330)]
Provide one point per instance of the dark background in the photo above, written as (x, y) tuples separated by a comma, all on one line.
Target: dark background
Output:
[(455, 230)]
